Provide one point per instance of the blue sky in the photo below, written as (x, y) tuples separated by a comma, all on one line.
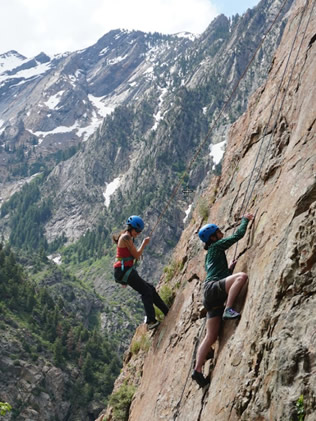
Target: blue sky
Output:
[(231, 7), (57, 26)]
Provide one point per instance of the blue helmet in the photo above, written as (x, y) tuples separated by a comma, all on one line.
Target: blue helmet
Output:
[(206, 231), (136, 222)]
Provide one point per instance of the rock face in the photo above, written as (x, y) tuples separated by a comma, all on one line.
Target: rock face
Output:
[(33, 389), (264, 363)]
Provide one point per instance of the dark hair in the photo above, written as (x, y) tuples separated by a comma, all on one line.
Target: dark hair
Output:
[(210, 241), (116, 237)]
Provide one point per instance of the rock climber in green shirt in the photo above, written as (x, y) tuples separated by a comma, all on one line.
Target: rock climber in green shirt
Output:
[(220, 286)]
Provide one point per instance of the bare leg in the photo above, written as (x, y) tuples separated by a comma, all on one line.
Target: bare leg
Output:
[(233, 285), (212, 330)]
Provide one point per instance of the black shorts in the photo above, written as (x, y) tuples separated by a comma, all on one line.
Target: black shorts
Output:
[(215, 296)]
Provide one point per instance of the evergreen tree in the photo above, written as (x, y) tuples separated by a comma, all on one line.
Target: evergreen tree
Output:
[(87, 368), (58, 352)]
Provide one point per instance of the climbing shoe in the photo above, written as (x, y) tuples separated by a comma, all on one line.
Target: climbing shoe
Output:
[(230, 314), (152, 325), (200, 379)]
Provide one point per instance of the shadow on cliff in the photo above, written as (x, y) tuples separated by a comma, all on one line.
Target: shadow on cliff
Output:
[(163, 331)]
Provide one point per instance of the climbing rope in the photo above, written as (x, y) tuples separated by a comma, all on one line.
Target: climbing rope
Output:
[(175, 416), (286, 89), (274, 126), (189, 167)]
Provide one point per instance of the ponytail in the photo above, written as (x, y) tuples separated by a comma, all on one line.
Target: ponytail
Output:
[(116, 237)]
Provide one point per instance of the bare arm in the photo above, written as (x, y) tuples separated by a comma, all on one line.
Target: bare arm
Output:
[(126, 241), (249, 216)]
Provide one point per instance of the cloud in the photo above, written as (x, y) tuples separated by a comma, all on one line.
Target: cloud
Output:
[(166, 16), (56, 26)]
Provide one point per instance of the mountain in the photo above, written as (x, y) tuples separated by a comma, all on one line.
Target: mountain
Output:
[(48, 104), (158, 94), (263, 366), (143, 149)]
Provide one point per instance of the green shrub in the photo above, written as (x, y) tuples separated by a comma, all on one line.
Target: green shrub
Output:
[(135, 347), (4, 408), (203, 208), (121, 401), (172, 269), (300, 411), (143, 343), (168, 295)]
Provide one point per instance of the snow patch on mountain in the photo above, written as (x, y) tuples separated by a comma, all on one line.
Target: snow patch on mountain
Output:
[(10, 60), (110, 189), (116, 60), (54, 101), (87, 131), (1, 126), (158, 116), (217, 151), (56, 258), (60, 129), (104, 51), (102, 109), (27, 74), (188, 35), (187, 213)]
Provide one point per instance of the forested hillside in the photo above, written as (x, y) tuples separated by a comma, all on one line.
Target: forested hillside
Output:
[(50, 351)]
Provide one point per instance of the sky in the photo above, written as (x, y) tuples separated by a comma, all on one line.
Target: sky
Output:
[(58, 26)]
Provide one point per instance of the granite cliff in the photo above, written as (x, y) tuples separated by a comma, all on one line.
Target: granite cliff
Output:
[(263, 367)]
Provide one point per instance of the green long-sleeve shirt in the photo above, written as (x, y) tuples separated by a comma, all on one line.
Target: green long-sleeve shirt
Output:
[(215, 260)]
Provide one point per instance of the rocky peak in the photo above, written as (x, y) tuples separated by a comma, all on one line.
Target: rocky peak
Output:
[(63, 100), (42, 58)]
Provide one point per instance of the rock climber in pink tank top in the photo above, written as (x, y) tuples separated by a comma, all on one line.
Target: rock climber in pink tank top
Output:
[(126, 274)]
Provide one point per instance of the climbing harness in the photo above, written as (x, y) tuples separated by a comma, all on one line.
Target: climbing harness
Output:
[(123, 281)]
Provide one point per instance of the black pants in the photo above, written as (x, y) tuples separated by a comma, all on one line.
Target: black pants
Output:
[(147, 291)]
